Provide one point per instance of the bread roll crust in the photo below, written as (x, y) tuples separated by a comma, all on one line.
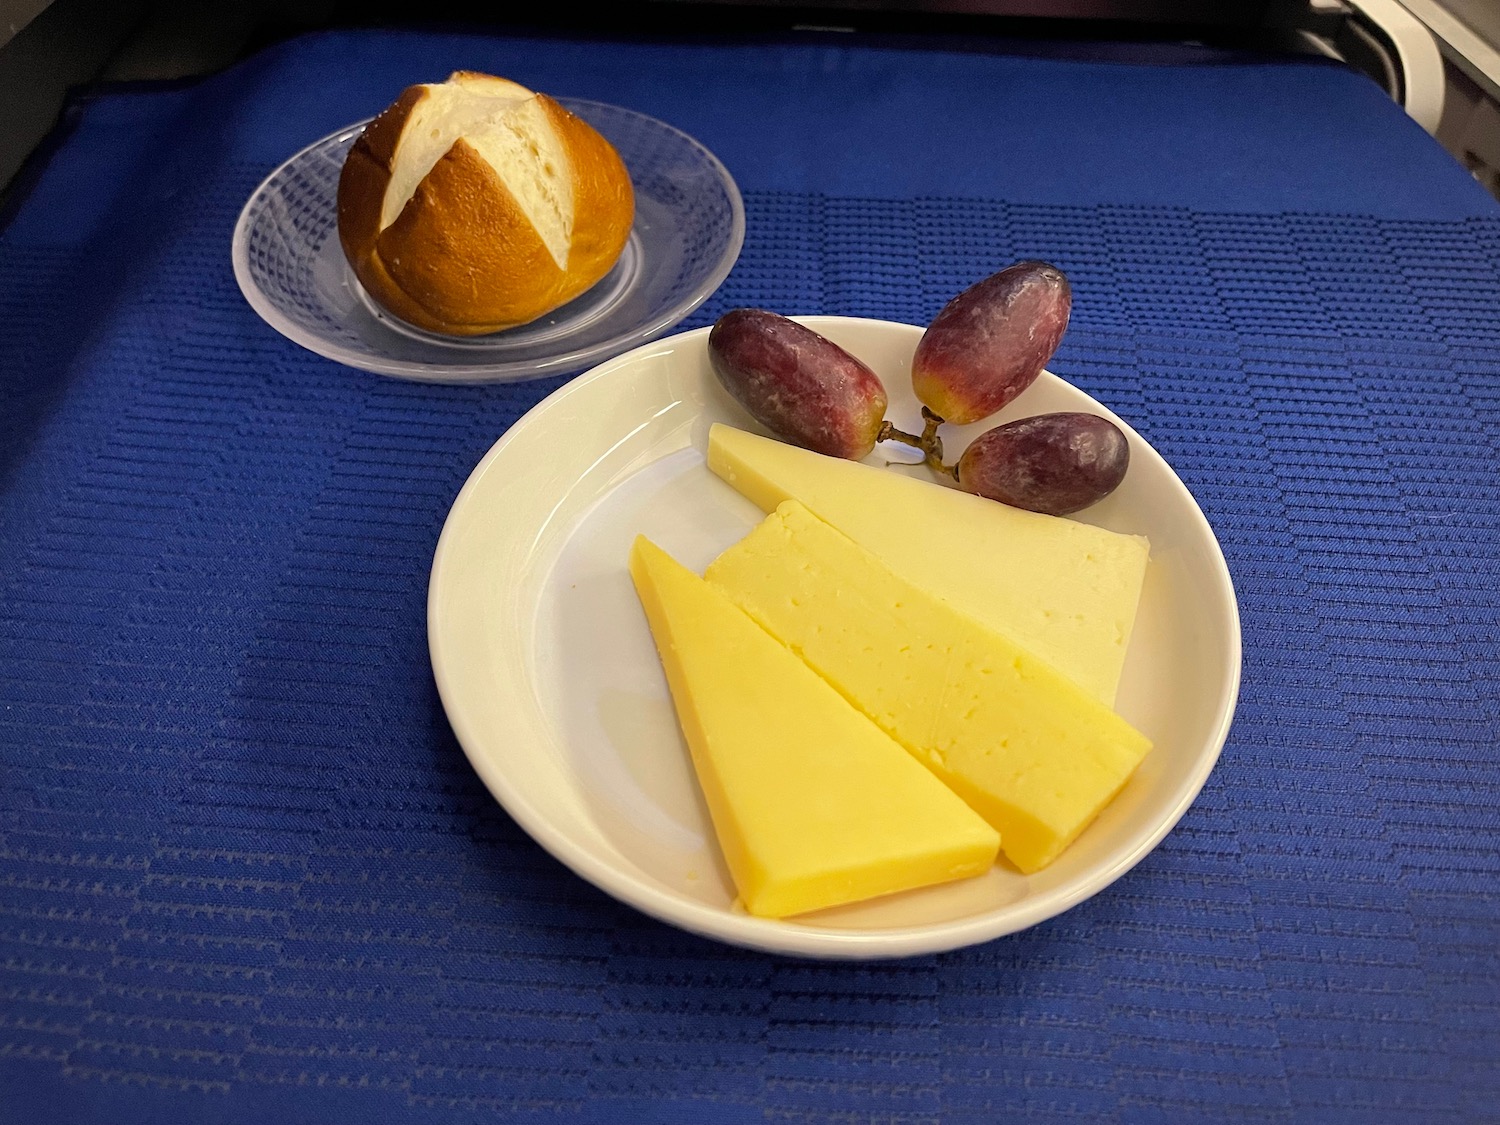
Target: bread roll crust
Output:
[(462, 257)]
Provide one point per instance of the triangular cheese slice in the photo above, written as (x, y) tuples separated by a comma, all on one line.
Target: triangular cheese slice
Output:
[(812, 804), (1065, 591), (1024, 745)]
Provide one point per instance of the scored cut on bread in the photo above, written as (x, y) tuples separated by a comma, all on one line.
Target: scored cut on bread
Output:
[(475, 205)]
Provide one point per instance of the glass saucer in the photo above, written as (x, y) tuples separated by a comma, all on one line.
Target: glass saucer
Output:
[(689, 226)]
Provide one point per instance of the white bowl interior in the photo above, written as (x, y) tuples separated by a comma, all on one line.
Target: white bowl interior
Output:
[(549, 676)]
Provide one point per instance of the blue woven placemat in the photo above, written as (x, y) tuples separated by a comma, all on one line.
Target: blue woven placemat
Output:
[(246, 874)]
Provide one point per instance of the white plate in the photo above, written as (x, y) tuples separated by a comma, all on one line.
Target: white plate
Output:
[(689, 226), (547, 671)]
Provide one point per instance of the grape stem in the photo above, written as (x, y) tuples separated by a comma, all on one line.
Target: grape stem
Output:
[(927, 441)]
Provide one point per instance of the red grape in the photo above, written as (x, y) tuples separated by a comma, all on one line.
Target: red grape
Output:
[(1052, 463), (800, 386), (989, 343)]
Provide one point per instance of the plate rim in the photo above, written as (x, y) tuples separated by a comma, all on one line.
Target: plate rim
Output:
[(573, 361), (776, 936)]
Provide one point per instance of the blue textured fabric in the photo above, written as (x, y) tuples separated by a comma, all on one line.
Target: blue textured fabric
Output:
[(246, 874)]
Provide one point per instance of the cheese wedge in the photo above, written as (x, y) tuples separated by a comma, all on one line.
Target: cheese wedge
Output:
[(1028, 749), (813, 806), (1064, 590)]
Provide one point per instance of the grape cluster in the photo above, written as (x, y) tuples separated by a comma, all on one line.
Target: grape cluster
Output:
[(984, 347)]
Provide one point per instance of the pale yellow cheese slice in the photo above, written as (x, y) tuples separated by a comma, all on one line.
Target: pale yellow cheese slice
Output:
[(1028, 749), (812, 804), (1066, 591)]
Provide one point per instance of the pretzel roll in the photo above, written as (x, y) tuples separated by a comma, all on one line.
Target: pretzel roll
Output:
[(474, 205)]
